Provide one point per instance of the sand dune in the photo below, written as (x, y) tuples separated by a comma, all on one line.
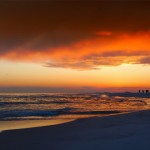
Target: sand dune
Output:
[(118, 132)]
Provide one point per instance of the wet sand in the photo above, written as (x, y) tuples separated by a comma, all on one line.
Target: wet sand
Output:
[(23, 124)]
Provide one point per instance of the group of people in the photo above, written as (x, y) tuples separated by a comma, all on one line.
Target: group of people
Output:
[(143, 91)]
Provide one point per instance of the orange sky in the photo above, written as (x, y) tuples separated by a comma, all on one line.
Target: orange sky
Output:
[(114, 49), (103, 44)]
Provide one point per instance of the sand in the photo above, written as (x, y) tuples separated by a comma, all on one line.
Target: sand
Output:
[(23, 124), (118, 132)]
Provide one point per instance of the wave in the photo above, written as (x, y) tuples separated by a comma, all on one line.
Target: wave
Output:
[(33, 102), (27, 113), (4, 115)]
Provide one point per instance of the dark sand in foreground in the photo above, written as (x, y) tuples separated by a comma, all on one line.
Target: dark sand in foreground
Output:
[(118, 132)]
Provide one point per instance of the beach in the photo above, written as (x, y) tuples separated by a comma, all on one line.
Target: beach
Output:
[(123, 131), (74, 74)]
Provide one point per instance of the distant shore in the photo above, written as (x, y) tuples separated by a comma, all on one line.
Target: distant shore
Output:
[(130, 94), (128, 131)]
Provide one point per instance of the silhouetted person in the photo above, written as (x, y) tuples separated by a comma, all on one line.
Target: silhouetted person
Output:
[(142, 91), (147, 91), (139, 91)]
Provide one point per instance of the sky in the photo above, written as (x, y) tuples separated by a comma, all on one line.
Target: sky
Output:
[(101, 44)]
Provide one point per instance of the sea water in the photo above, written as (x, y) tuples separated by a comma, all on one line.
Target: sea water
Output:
[(44, 106)]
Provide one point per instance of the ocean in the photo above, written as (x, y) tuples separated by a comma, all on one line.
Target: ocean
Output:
[(39, 106)]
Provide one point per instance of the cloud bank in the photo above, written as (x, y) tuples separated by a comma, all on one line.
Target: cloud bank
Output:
[(78, 35)]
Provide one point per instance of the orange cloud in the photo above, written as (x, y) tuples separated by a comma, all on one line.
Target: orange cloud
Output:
[(104, 49), (98, 34)]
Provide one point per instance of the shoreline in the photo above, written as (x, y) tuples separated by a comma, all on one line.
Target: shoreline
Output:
[(25, 124), (122, 131), (29, 123), (6, 125)]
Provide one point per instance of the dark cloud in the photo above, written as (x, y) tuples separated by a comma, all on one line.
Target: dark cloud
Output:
[(116, 53), (145, 60), (65, 22), (29, 27)]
